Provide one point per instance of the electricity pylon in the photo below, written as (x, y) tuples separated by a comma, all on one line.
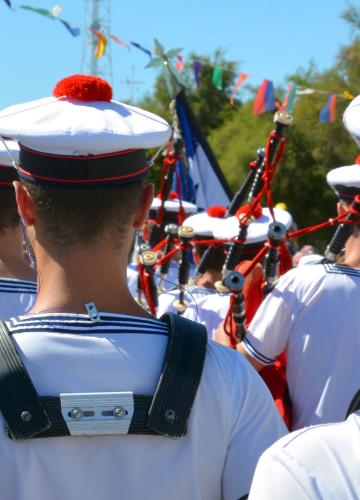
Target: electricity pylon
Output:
[(97, 17)]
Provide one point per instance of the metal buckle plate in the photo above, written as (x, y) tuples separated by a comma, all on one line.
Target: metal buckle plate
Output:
[(98, 413)]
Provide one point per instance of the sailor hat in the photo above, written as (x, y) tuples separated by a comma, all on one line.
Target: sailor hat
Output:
[(204, 223), (81, 137), (172, 205), (345, 181), (257, 230), (351, 119), (9, 152)]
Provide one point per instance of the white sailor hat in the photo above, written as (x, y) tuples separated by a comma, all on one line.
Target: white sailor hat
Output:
[(345, 181), (172, 204), (351, 119), (81, 137), (204, 223), (9, 152), (257, 230)]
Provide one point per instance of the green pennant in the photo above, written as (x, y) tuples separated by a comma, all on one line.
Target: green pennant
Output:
[(291, 99), (43, 12), (217, 77)]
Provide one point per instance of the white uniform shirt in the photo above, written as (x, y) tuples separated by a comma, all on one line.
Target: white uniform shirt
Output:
[(16, 297), (313, 313), (209, 310), (232, 422), (317, 463)]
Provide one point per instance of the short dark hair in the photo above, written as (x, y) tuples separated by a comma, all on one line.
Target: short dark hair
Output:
[(356, 225), (9, 217), (217, 258), (71, 217)]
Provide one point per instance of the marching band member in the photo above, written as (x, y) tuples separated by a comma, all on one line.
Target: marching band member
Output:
[(173, 208), (117, 402), (203, 225), (320, 462), (211, 310), (312, 314), (17, 279)]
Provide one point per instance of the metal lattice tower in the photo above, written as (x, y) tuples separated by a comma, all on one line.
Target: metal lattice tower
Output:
[(97, 17)]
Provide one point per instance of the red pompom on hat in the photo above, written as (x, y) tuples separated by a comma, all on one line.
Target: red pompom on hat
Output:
[(217, 211), (172, 196), (257, 213), (83, 88)]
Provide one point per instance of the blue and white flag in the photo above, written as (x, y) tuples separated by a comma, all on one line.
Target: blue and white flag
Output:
[(205, 182)]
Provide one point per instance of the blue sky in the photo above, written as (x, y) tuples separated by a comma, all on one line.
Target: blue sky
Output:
[(269, 39)]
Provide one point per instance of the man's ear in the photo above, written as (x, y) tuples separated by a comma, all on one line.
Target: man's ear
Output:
[(142, 211), (341, 207), (24, 204)]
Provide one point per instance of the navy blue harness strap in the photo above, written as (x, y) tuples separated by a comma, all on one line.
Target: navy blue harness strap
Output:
[(166, 413), (354, 405), (19, 402), (180, 377)]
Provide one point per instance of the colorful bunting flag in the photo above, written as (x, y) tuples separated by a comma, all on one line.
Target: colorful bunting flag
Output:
[(328, 113), (217, 77), (54, 15), (119, 41), (197, 69), (73, 31), (42, 12), (348, 96), (289, 101), (241, 80), (140, 47), (8, 3), (101, 44), (265, 98), (179, 63)]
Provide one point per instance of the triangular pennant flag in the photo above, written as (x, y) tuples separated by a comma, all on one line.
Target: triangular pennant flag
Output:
[(348, 96), (197, 69), (265, 98), (217, 77), (8, 3), (328, 113), (43, 12), (72, 31), (179, 63), (100, 48), (240, 81), (289, 101), (140, 47), (119, 41)]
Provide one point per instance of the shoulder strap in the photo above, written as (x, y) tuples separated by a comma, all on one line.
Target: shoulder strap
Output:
[(180, 377), (355, 404), (19, 402), (24, 412)]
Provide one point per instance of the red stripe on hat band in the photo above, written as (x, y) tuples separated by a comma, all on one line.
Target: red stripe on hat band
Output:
[(78, 157), (84, 181), (111, 167)]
